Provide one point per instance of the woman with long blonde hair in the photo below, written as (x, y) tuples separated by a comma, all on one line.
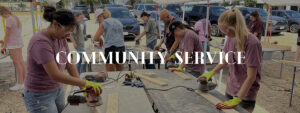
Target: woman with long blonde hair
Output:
[(244, 76), (13, 43)]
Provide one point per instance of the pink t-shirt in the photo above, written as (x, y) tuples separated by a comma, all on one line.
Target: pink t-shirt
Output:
[(200, 25), (191, 43), (15, 38), (238, 72), (43, 49)]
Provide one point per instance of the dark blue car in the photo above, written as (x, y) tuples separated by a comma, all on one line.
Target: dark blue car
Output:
[(293, 18), (131, 27)]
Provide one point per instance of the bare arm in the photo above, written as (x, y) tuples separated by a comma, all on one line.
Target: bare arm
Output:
[(251, 77), (54, 73), (220, 66), (73, 41), (140, 36), (172, 50), (160, 43), (99, 32), (7, 34), (72, 70)]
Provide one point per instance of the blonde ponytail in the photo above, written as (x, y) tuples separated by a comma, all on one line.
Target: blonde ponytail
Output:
[(5, 10), (234, 20)]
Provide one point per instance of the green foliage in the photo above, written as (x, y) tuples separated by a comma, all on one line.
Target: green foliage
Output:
[(225, 4), (21, 5), (250, 3)]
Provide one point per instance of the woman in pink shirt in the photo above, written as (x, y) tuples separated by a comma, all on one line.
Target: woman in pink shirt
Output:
[(14, 43), (243, 78)]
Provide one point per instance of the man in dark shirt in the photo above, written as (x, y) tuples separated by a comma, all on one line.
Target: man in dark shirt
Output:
[(170, 42)]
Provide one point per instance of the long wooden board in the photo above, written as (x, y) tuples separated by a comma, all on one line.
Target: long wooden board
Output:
[(112, 103), (182, 75), (214, 101), (283, 47), (152, 80), (293, 63)]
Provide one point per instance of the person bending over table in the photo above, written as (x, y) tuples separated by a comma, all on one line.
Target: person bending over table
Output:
[(44, 91), (151, 32), (243, 79), (189, 42)]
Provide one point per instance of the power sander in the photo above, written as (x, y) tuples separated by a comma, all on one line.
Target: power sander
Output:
[(205, 86), (91, 98), (100, 77)]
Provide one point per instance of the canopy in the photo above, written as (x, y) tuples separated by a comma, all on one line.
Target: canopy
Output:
[(282, 2)]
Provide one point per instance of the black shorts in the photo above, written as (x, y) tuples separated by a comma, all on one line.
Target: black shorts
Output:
[(114, 49), (246, 104)]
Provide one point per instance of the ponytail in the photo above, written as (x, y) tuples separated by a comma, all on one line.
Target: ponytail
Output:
[(234, 20)]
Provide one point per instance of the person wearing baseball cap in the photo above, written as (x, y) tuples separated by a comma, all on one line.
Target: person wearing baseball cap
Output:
[(112, 31), (190, 43)]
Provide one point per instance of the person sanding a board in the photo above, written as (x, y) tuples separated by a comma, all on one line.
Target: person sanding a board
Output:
[(243, 78), (190, 43)]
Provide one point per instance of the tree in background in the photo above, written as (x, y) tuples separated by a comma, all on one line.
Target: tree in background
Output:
[(250, 3)]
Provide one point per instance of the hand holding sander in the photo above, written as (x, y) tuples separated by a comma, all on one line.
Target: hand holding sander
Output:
[(91, 91), (206, 83)]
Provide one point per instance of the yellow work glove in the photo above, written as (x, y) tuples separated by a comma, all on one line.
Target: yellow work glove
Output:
[(206, 75), (178, 69), (230, 104), (96, 86)]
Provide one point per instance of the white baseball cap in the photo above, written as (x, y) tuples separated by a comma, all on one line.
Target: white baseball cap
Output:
[(97, 13)]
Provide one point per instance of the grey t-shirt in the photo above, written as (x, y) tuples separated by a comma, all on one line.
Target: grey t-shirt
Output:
[(79, 37), (151, 31), (113, 33)]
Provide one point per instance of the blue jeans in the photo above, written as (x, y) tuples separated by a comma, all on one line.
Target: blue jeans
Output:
[(81, 66), (49, 102), (208, 48), (151, 46)]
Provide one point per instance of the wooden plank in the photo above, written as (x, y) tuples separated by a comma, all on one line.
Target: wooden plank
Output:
[(112, 103), (182, 75), (96, 109), (214, 101), (283, 47), (152, 80), (293, 63)]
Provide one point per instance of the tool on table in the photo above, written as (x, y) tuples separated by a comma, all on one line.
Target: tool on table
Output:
[(100, 77), (205, 86), (131, 80), (91, 98)]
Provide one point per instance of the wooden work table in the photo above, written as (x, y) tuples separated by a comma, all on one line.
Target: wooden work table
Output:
[(180, 100)]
